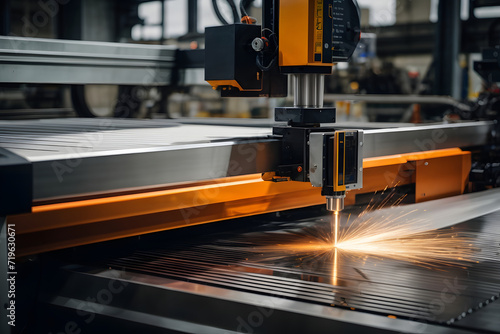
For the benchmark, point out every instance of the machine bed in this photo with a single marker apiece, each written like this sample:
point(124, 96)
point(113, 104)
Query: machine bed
point(194, 281)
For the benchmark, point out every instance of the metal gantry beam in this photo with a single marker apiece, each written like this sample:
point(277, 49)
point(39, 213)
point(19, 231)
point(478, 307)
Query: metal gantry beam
point(46, 61)
point(71, 157)
point(396, 99)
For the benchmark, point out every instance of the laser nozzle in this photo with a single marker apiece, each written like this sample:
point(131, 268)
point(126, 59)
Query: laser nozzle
point(335, 203)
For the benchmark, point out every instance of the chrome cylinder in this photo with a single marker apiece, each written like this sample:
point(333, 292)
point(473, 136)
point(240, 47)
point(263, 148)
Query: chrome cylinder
point(335, 203)
point(308, 90)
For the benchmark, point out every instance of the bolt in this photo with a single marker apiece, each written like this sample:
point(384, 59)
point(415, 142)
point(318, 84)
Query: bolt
point(258, 44)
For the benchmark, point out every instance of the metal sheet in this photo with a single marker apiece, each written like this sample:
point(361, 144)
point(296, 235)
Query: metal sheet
point(221, 273)
point(486, 320)
point(155, 304)
point(365, 284)
point(443, 212)
point(37, 60)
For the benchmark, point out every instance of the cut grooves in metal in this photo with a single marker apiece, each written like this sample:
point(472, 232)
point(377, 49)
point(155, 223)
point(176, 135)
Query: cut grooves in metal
point(381, 286)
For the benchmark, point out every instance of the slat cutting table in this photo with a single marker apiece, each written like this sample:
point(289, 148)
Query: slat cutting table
point(217, 281)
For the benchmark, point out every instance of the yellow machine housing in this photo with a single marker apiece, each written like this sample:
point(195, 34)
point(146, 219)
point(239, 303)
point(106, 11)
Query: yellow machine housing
point(305, 40)
point(339, 162)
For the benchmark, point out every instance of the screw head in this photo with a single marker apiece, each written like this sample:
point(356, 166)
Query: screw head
point(258, 44)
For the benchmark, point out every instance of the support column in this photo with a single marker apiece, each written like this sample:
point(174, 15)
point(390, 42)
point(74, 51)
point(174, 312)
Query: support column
point(447, 50)
point(5, 17)
point(192, 16)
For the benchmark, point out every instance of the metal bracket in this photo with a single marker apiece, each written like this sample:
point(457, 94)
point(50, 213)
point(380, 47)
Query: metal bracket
point(305, 116)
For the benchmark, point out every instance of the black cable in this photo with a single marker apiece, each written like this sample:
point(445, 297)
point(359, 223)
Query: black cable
point(221, 18)
point(260, 57)
point(261, 66)
point(243, 11)
point(244, 6)
point(217, 12)
point(236, 17)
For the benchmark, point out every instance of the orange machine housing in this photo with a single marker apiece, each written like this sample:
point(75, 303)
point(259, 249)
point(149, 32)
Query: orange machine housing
point(51, 226)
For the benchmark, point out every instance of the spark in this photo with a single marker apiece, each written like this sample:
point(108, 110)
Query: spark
point(403, 235)
point(432, 248)
point(396, 234)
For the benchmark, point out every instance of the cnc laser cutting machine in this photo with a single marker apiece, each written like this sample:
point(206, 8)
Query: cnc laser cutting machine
point(151, 226)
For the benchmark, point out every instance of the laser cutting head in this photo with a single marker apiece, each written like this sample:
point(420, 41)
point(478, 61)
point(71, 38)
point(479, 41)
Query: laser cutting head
point(303, 39)
point(336, 164)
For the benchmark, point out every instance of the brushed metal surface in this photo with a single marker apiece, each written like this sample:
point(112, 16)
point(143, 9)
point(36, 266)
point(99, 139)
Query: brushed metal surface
point(38, 60)
point(316, 147)
point(393, 99)
point(366, 284)
point(383, 142)
point(80, 156)
point(308, 90)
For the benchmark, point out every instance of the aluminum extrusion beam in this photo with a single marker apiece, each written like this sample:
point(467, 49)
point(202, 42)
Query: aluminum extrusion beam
point(383, 142)
point(72, 157)
point(82, 156)
point(48, 61)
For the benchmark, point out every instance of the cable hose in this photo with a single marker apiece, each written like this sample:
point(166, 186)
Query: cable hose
point(261, 66)
point(219, 14)
point(242, 9)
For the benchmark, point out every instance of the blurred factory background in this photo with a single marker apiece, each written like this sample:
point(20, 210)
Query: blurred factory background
point(410, 50)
